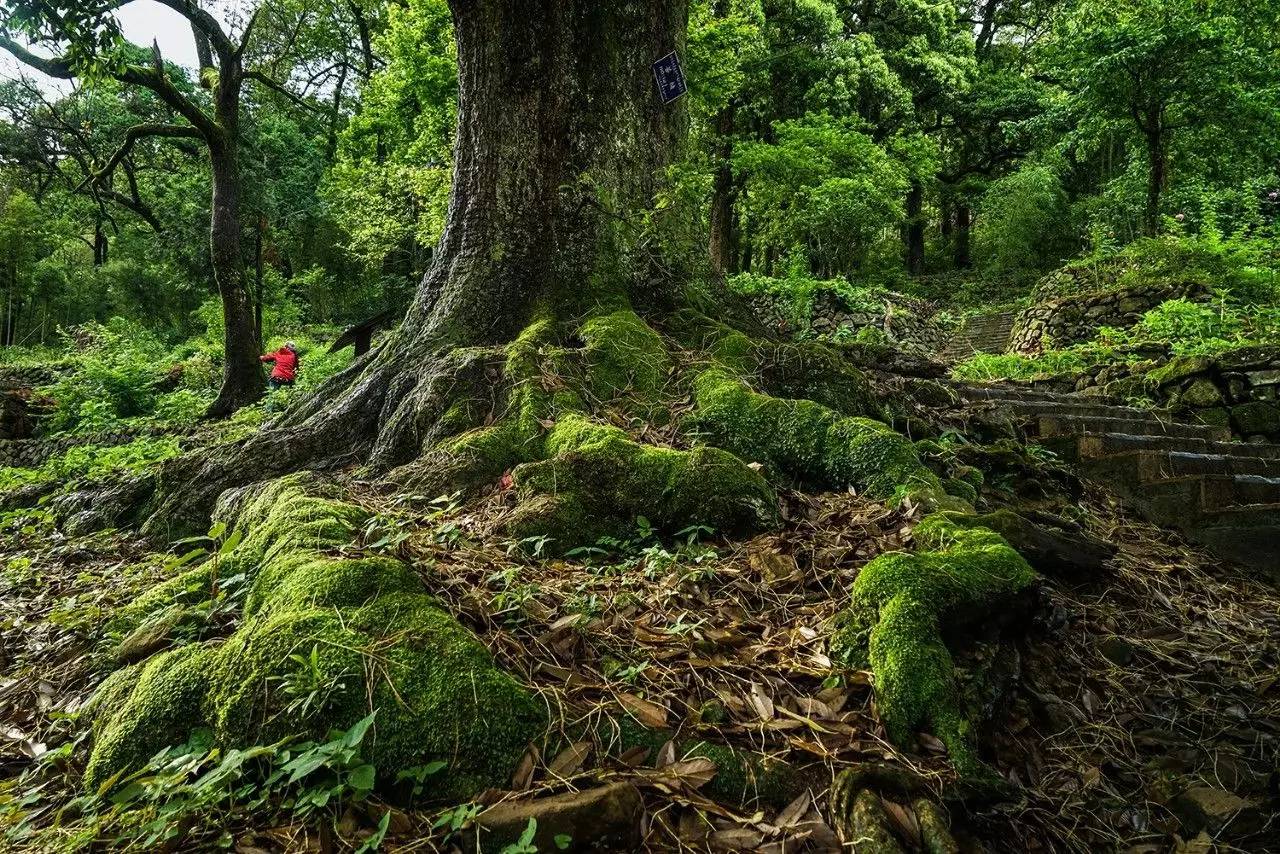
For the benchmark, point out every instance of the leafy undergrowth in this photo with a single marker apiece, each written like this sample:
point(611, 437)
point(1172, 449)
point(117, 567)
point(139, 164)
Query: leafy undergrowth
point(714, 641)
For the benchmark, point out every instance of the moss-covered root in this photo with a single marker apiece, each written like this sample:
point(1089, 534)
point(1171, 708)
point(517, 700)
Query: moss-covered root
point(855, 808)
point(596, 482)
point(863, 825)
point(902, 604)
point(625, 358)
point(381, 645)
point(811, 442)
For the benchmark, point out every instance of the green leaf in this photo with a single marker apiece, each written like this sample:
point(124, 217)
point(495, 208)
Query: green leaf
point(356, 734)
point(362, 778)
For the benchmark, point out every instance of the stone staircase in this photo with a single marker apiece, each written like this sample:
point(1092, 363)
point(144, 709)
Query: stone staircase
point(982, 333)
point(1222, 494)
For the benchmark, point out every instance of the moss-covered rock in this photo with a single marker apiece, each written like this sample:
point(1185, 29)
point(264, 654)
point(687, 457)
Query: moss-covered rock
point(380, 642)
point(1256, 418)
point(1201, 393)
point(1178, 369)
point(901, 605)
point(596, 482)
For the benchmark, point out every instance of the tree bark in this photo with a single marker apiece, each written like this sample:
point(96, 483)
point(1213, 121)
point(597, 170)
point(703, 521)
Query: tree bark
point(550, 93)
point(961, 255)
point(1156, 164)
point(913, 230)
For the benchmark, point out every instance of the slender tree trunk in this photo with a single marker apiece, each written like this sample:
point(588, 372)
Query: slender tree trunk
point(724, 244)
point(242, 381)
point(963, 233)
point(1157, 168)
point(913, 230)
point(257, 276)
point(99, 245)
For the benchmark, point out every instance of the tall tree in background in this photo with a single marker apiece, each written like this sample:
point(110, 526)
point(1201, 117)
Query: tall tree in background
point(89, 46)
point(1161, 70)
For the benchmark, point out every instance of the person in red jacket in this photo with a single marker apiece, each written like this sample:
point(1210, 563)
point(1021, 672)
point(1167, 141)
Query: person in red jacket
point(286, 365)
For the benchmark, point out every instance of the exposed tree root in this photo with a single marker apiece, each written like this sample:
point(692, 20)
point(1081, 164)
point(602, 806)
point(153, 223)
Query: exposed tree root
point(902, 605)
point(374, 642)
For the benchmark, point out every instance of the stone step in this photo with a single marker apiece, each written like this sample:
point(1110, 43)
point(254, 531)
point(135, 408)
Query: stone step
point(1242, 516)
point(1161, 465)
point(1072, 425)
point(1182, 502)
point(1255, 546)
point(1102, 444)
point(1015, 393)
point(1077, 407)
point(1152, 465)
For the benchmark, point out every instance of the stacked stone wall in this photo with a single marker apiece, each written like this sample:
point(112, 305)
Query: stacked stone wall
point(901, 319)
point(1055, 322)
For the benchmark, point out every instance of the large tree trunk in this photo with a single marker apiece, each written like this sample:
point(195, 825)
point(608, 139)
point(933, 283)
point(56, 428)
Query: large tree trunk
point(562, 142)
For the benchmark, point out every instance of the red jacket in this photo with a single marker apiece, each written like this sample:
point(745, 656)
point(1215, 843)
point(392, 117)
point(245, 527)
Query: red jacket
point(286, 368)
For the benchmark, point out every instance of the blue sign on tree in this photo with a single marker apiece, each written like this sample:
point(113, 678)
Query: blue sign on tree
point(670, 77)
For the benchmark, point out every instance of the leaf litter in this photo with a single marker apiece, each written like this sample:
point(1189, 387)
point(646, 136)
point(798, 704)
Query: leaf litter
point(727, 642)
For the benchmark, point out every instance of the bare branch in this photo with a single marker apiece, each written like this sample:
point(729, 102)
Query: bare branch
point(205, 23)
point(259, 77)
point(248, 31)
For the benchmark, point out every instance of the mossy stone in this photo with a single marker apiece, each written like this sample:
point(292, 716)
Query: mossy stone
point(1201, 393)
point(1256, 417)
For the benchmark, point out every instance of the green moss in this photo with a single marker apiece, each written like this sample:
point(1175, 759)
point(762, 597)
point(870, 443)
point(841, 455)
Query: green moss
point(722, 343)
point(960, 489)
point(596, 481)
point(820, 373)
point(161, 709)
point(189, 588)
point(442, 698)
point(381, 645)
point(293, 581)
point(902, 603)
point(809, 441)
point(1256, 417)
point(624, 355)
point(1179, 368)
